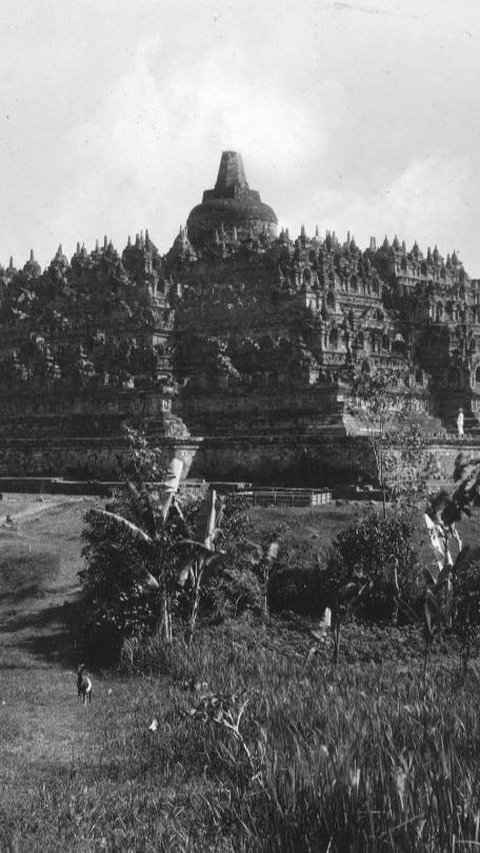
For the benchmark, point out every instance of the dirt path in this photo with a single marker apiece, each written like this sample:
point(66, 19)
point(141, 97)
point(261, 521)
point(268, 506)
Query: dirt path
point(41, 722)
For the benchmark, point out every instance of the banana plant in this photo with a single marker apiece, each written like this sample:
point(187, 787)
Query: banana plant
point(148, 532)
point(443, 513)
point(201, 556)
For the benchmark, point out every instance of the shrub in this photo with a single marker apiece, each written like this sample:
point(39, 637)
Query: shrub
point(117, 603)
point(379, 551)
point(238, 586)
point(116, 609)
point(113, 604)
point(466, 588)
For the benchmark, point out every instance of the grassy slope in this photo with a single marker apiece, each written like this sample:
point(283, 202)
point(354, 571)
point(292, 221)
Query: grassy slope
point(97, 778)
point(44, 730)
point(41, 725)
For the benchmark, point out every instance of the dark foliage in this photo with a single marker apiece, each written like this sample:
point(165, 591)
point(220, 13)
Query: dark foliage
point(373, 550)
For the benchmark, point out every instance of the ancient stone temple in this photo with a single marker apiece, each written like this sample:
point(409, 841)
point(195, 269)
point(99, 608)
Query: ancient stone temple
point(248, 337)
point(85, 347)
point(270, 330)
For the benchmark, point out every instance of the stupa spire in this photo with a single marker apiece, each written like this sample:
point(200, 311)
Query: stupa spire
point(230, 173)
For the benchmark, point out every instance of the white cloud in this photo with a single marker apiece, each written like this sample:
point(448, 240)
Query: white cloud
point(425, 202)
point(117, 117)
point(155, 142)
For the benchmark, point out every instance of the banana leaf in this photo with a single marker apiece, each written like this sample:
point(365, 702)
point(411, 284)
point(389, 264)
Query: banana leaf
point(124, 526)
point(206, 519)
point(170, 486)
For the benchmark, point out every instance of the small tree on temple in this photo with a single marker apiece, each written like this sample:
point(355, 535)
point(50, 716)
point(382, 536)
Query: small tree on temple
point(403, 463)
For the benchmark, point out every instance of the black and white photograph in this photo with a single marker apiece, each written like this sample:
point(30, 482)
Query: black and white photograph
point(240, 426)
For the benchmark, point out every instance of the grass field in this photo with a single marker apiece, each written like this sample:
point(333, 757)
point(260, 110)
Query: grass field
point(367, 757)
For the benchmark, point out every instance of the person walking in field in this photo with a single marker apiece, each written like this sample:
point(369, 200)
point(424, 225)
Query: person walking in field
point(460, 423)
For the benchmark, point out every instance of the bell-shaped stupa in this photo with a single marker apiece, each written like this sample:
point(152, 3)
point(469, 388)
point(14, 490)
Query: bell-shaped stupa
point(232, 204)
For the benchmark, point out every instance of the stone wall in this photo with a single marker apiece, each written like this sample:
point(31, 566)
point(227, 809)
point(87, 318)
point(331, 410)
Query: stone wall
point(305, 460)
point(295, 459)
point(82, 458)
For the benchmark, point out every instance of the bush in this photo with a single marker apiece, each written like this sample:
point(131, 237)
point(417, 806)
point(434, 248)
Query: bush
point(237, 587)
point(466, 589)
point(116, 610)
point(116, 605)
point(372, 550)
point(113, 605)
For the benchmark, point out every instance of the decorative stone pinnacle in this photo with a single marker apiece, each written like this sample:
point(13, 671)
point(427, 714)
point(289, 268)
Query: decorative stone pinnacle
point(230, 173)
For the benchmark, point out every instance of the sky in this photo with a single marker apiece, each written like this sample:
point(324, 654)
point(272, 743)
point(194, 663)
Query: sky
point(360, 116)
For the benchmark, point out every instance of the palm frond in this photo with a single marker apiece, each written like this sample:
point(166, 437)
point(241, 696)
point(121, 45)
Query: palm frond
point(192, 545)
point(186, 569)
point(124, 525)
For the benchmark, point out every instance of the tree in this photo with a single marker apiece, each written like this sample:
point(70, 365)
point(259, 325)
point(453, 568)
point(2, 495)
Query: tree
point(403, 463)
point(466, 598)
point(376, 551)
point(453, 596)
point(202, 555)
point(148, 542)
point(127, 546)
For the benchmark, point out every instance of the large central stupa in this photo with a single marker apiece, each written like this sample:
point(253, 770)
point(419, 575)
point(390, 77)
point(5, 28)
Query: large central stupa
point(231, 205)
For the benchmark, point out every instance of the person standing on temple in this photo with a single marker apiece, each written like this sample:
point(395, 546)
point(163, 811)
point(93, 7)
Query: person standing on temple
point(460, 423)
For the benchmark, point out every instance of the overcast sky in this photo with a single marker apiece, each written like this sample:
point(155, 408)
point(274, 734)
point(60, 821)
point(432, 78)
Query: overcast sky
point(356, 115)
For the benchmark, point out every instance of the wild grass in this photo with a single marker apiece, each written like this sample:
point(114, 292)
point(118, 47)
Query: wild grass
point(366, 757)
point(369, 756)
point(24, 570)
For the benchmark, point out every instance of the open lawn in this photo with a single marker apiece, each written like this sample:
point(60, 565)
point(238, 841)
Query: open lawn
point(367, 757)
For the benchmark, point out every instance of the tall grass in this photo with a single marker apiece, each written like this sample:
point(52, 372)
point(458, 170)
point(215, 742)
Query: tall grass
point(368, 757)
point(24, 570)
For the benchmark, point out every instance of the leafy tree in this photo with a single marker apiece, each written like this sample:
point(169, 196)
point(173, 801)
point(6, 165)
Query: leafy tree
point(377, 551)
point(453, 596)
point(202, 555)
point(466, 598)
point(246, 566)
point(402, 461)
point(126, 552)
point(152, 540)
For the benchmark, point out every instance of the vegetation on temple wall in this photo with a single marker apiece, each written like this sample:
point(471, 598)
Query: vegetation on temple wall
point(404, 465)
